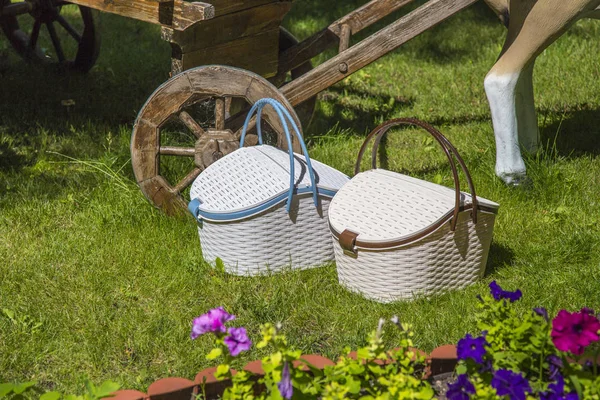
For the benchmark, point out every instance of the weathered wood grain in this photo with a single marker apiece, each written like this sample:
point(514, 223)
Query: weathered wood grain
point(258, 53)
point(322, 40)
point(372, 48)
point(178, 14)
point(228, 27)
point(223, 7)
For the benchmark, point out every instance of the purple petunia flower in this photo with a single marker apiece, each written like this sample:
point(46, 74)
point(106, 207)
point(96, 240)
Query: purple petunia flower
point(212, 321)
point(471, 347)
point(498, 293)
point(555, 364)
point(574, 331)
point(237, 341)
point(285, 385)
point(542, 312)
point(461, 389)
point(512, 384)
point(556, 391)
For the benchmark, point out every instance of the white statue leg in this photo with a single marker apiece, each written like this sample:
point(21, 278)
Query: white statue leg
point(527, 125)
point(533, 26)
point(501, 92)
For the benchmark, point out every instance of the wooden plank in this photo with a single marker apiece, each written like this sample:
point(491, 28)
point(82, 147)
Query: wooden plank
point(258, 53)
point(177, 14)
point(321, 41)
point(228, 27)
point(224, 7)
point(367, 15)
point(372, 48)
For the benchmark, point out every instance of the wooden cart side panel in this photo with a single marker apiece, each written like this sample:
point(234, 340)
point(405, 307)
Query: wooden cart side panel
point(228, 27)
point(258, 53)
point(224, 7)
point(177, 14)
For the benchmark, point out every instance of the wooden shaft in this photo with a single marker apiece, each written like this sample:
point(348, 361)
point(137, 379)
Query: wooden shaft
point(371, 48)
point(319, 42)
point(345, 33)
point(16, 9)
point(177, 151)
point(219, 113)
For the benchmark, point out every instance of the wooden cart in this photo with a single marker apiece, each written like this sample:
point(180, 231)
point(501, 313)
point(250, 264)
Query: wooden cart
point(226, 54)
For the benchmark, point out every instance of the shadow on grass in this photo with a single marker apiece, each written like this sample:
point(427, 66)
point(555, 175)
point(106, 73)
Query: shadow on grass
point(499, 256)
point(575, 135)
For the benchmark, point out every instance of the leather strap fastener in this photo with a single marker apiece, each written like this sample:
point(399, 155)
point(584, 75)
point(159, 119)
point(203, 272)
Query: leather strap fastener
point(347, 240)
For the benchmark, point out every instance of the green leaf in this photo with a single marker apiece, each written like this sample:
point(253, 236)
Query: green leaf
point(21, 387)
point(222, 371)
point(107, 388)
point(73, 397)
point(9, 313)
point(438, 179)
point(219, 265)
point(50, 396)
point(6, 388)
point(214, 353)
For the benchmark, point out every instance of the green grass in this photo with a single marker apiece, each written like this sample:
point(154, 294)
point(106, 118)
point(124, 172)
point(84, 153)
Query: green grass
point(104, 286)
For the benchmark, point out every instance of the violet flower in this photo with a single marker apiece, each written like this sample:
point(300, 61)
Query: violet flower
point(285, 385)
point(498, 293)
point(542, 312)
point(213, 321)
point(237, 341)
point(471, 347)
point(556, 391)
point(555, 365)
point(461, 389)
point(511, 384)
point(574, 331)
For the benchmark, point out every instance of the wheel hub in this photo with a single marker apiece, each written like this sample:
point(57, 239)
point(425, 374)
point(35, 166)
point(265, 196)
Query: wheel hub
point(213, 146)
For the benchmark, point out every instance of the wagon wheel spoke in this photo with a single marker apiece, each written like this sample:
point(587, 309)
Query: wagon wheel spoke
point(191, 124)
point(228, 100)
point(63, 22)
point(187, 180)
point(35, 33)
point(220, 113)
point(177, 151)
point(55, 41)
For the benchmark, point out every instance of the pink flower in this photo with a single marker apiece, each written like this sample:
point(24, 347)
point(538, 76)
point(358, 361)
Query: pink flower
point(212, 321)
point(237, 341)
point(574, 331)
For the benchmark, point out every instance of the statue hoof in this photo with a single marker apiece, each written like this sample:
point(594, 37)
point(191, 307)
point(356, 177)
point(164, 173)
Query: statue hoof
point(520, 180)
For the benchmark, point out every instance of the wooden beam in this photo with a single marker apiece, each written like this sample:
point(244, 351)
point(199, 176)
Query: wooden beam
point(319, 42)
point(226, 28)
point(177, 14)
point(372, 48)
point(224, 7)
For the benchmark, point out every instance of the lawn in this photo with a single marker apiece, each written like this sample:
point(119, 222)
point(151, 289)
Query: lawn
point(101, 285)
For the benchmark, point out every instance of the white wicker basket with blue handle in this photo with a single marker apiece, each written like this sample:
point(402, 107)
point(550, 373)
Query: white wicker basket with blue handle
point(261, 209)
point(396, 236)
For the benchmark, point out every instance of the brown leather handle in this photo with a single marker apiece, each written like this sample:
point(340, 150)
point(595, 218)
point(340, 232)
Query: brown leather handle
point(447, 147)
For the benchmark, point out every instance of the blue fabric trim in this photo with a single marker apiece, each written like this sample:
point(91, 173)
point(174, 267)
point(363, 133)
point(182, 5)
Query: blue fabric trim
point(236, 215)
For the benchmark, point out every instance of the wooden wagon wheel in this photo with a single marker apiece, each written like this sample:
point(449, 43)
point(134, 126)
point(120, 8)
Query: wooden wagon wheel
point(177, 100)
point(74, 47)
point(306, 109)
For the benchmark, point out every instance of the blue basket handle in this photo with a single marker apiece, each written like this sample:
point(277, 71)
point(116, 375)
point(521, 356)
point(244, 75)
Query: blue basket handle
point(284, 118)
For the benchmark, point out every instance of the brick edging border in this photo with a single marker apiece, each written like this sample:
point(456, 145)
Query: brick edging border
point(441, 360)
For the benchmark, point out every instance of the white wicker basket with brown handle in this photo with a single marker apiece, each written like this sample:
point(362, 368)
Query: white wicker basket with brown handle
point(396, 236)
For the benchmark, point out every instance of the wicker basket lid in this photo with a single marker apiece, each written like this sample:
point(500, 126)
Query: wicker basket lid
point(242, 181)
point(383, 206)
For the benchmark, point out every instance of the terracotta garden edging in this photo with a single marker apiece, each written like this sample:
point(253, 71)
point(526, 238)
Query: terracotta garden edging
point(442, 360)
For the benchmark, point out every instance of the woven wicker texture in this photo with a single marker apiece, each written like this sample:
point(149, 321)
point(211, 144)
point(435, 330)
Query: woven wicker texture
point(381, 205)
point(271, 241)
point(439, 262)
point(252, 175)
